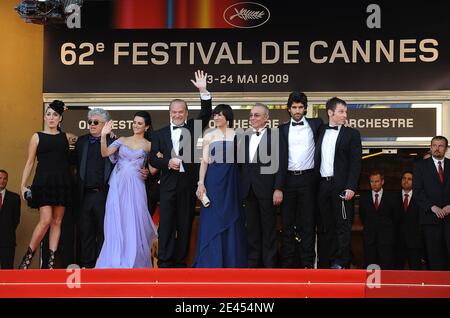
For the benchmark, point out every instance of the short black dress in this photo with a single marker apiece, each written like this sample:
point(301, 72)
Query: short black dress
point(51, 183)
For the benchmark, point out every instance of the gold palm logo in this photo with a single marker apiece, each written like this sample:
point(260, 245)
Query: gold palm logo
point(245, 14)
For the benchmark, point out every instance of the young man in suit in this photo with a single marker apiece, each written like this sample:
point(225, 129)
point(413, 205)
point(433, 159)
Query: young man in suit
point(377, 209)
point(9, 220)
point(432, 189)
point(298, 183)
point(409, 243)
point(258, 186)
point(174, 154)
point(338, 160)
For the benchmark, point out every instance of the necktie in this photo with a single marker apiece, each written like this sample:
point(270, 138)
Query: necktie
point(182, 126)
point(335, 127)
point(405, 202)
point(301, 123)
point(441, 172)
point(1, 200)
point(376, 201)
point(93, 140)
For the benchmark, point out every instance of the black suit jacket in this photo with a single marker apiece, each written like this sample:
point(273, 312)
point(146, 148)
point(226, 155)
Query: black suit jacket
point(81, 152)
point(9, 219)
point(379, 225)
point(429, 190)
point(263, 184)
point(409, 232)
point(162, 143)
point(315, 124)
point(347, 157)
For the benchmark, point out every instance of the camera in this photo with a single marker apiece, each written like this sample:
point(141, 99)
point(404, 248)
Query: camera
point(45, 11)
point(342, 195)
point(28, 196)
point(205, 201)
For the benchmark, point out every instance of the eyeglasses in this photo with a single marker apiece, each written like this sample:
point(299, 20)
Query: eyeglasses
point(93, 122)
point(256, 115)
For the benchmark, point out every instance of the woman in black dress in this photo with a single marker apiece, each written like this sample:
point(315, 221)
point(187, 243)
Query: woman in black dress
point(50, 190)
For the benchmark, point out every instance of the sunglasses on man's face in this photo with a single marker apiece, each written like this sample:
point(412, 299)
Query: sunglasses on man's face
point(93, 122)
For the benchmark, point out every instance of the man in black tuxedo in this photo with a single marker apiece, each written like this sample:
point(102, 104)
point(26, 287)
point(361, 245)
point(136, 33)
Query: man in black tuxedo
point(298, 188)
point(378, 209)
point(409, 242)
point(93, 173)
point(174, 154)
point(338, 160)
point(258, 183)
point(432, 190)
point(9, 220)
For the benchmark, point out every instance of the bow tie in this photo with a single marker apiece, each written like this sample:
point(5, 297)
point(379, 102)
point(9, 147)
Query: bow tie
point(335, 127)
point(299, 123)
point(93, 140)
point(182, 126)
point(258, 132)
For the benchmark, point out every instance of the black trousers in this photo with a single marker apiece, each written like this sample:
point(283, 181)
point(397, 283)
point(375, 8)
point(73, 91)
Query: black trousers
point(412, 256)
point(297, 211)
point(7, 257)
point(152, 188)
point(177, 208)
point(437, 244)
point(333, 231)
point(261, 231)
point(380, 254)
point(91, 225)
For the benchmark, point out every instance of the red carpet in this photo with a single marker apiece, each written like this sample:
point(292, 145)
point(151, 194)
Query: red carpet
point(218, 283)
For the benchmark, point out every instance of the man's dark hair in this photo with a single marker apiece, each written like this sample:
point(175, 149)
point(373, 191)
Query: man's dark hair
point(297, 97)
point(440, 138)
point(377, 173)
point(332, 103)
point(407, 171)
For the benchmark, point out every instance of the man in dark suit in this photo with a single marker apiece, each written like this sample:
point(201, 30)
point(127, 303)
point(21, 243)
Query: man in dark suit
point(432, 189)
point(174, 154)
point(9, 220)
point(258, 183)
point(93, 173)
point(298, 186)
point(377, 209)
point(338, 160)
point(409, 243)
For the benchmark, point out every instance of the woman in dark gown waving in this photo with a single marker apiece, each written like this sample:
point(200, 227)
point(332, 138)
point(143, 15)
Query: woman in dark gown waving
point(221, 237)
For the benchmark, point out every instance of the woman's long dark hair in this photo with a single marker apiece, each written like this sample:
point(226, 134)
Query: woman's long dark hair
point(148, 122)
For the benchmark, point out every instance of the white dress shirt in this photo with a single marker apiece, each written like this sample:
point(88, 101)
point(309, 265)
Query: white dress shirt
point(380, 194)
point(254, 143)
point(176, 133)
point(410, 193)
point(301, 147)
point(328, 151)
point(437, 165)
point(3, 195)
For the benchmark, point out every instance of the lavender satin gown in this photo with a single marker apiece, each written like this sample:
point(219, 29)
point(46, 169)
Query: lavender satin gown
point(129, 229)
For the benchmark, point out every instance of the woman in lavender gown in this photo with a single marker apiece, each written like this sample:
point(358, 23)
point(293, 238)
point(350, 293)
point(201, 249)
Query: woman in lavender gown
point(129, 229)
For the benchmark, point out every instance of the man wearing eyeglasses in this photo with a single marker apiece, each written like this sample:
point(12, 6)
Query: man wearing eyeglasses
point(258, 183)
point(93, 173)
